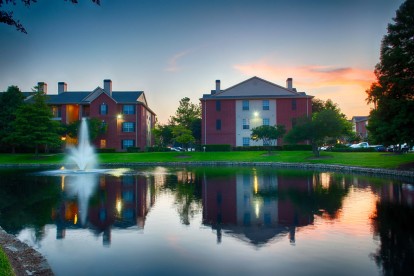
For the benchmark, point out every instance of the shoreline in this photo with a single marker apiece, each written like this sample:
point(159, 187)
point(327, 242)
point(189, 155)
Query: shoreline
point(282, 165)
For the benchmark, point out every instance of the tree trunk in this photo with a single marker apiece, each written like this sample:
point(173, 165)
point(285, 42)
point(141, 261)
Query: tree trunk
point(315, 150)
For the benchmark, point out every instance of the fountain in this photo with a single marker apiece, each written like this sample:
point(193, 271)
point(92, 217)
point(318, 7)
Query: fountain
point(83, 155)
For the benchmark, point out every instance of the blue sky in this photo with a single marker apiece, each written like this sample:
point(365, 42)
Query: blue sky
point(175, 49)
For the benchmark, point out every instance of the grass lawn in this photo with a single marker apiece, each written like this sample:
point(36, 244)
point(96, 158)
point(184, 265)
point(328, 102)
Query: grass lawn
point(362, 159)
point(5, 268)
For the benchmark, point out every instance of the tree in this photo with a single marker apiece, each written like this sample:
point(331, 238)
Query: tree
point(182, 135)
point(7, 17)
point(10, 101)
point(392, 94)
point(326, 124)
point(269, 134)
point(34, 126)
point(186, 114)
point(163, 135)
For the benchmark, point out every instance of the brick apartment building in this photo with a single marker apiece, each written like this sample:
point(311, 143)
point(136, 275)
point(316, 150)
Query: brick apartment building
point(229, 115)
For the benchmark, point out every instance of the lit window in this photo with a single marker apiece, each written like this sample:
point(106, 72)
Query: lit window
point(128, 127)
point(102, 144)
point(265, 104)
point(245, 104)
point(266, 121)
point(128, 109)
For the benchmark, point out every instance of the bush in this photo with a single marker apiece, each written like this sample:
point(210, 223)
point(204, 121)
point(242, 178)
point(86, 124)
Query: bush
point(157, 149)
point(224, 147)
point(348, 149)
point(106, 150)
point(297, 147)
point(133, 149)
point(258, 148)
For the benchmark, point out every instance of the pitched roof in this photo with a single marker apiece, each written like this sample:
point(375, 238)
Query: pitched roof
point(256, 88)
point(81, 97)
point(360, 118)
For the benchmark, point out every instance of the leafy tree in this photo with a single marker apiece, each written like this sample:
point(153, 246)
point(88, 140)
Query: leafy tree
point(188, 115)
point(95, 128)
point(391, 121)
point(269, 134)
point(7, 17)
point(326, 124)
point(163, 135)
point(33, 125)
point(9, 103)
point(182, 135)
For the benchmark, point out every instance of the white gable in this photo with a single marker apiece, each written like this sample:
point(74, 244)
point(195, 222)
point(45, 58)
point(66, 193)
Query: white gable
point(95, 94)
point(256, 87)
point(142, 99)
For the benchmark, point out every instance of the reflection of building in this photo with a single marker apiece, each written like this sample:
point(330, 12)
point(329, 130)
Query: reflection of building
point(120, 202)
point(254, 206)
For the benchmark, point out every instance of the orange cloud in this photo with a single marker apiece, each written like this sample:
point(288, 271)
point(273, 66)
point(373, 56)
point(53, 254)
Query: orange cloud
point(173, 61)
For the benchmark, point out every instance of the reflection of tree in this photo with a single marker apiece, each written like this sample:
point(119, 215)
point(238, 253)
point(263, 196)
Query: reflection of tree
point(187, 195)
point(27, 203)
point(394, 224)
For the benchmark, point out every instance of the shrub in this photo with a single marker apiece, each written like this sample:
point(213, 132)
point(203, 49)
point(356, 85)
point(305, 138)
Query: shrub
point(106, 150)
point(157, 149)
point(224, 147)
point(258, 148)
point(133, 149)
point(297, 147)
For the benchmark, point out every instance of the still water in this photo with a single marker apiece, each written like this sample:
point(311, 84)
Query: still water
point(212, 221)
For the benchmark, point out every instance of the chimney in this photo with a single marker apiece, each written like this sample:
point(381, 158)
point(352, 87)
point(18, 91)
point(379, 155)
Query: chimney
point(289, 83)
point(217, 86)
point(108, 87)
point(62, 87)
point(42, 86)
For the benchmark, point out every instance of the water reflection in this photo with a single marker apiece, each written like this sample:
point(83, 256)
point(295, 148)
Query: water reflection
point(258, 208)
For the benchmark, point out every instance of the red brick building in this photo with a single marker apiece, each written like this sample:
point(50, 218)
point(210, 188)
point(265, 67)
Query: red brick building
point(128, 119)
point(229, 115)
point(359, 126)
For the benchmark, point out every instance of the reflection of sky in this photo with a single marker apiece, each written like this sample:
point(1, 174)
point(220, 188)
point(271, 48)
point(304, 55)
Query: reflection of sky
point(174, 49)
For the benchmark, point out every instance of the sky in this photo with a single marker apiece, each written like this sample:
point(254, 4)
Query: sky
point(172, 49)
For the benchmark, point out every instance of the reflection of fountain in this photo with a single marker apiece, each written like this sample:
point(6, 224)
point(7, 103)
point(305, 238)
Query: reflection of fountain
point(81, 186)
point(83, 155)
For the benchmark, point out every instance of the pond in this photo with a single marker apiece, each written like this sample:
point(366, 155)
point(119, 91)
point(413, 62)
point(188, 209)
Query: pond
point(212, 221)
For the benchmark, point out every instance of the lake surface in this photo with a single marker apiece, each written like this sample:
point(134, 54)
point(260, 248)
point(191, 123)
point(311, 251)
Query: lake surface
point(212, 221)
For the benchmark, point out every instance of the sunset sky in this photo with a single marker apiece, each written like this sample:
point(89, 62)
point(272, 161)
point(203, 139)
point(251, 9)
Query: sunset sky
point(174, 49)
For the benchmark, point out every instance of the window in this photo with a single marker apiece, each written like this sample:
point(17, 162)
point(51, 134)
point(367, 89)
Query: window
point(103, 109)
point(102, 144)
point(266, 121)
point(57, 111)
point(218, 124)
point(245, 105)
point(293, 104)
point(265, 104)
point(246, 124)
point(128, 127)
point(246, 141)
point(127, 143)
point(218, 105)
point(128, 109)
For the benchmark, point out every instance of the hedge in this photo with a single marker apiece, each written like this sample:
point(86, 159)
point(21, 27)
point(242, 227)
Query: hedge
point(224, 147)
point(133, 149)
point(106, 150)
point(297, 147)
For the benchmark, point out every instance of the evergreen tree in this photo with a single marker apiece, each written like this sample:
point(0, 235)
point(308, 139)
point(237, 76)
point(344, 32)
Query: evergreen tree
point(392, 120)
point(33, 126)
point(9, 103)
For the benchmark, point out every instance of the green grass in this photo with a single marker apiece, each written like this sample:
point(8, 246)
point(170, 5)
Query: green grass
point(362, 159)
point(5, 267)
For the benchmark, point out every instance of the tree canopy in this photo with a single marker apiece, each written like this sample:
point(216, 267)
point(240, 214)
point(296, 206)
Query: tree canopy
point(10, 101)
point(324, 125)
point(33, 126)
point(8, 18)
point(391, 121)
point(268, 134)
